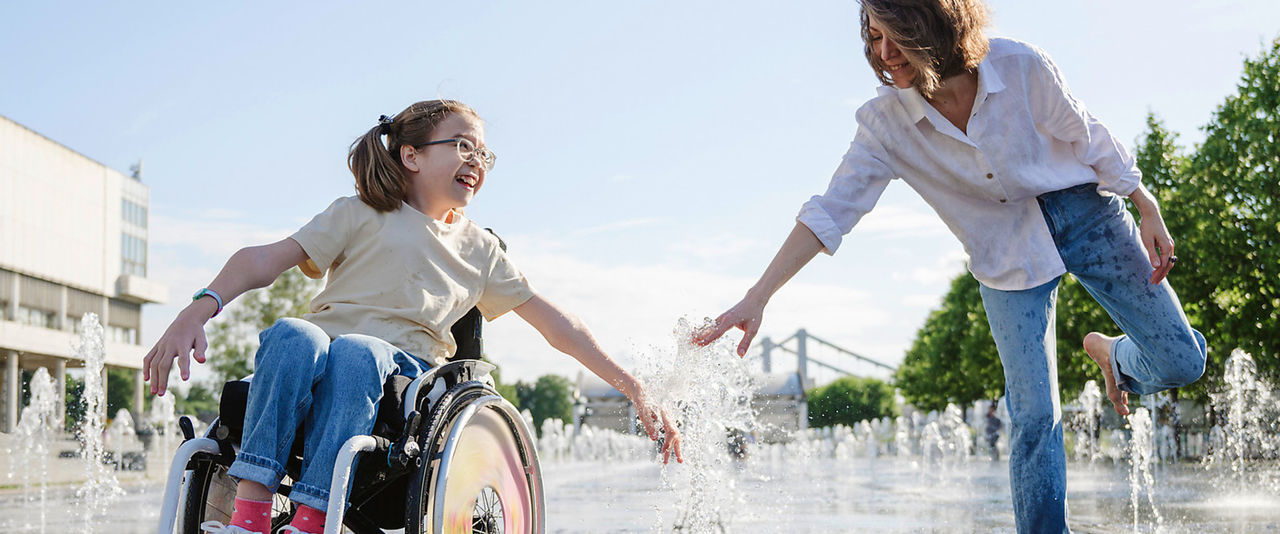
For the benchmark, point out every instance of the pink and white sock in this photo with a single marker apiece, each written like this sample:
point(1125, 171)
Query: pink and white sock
point(308, 519)
point(254, 516)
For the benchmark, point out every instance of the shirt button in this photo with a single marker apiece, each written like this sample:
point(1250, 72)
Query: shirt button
point(990, 176)
point(1003, 200)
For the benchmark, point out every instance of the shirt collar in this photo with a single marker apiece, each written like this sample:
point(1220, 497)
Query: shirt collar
point(914, 104)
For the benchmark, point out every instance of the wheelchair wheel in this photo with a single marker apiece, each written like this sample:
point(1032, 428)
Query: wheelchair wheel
point(480, 472)
point(211, 496)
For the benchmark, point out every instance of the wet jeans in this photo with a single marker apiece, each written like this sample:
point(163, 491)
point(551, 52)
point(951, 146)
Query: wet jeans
point(332, 388)
point(1099, 244)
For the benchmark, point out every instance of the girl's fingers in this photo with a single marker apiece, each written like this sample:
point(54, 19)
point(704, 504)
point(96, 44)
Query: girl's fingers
point(146, 364)
point(184, 365)
point(201, 346)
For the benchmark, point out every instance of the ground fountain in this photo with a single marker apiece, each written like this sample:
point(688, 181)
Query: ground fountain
point(29, 447)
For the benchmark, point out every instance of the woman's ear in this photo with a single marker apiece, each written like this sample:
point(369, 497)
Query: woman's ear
point(410, 158)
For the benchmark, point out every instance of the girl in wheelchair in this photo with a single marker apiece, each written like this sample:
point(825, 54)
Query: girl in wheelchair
point(403, 265)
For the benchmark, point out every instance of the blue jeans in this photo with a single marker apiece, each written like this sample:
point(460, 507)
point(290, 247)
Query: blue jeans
point(333, 388)
point(1099, 244)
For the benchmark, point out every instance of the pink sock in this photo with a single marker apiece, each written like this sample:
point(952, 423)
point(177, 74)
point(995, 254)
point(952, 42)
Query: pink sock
point(308, 519)
point(254, 516)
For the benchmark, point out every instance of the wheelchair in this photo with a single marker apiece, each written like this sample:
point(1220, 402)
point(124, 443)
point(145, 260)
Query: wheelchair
point(447, 455)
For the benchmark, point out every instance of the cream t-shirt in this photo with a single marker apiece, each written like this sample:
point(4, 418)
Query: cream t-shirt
point(405, 277)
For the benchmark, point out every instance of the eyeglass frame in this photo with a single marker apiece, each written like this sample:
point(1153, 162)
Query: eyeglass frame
point(476, 151)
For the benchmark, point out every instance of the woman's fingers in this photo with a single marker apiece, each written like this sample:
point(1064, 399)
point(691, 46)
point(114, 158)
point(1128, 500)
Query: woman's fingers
point(162, 372)
point(671, 443)
point(748, 333)
point(721, 325)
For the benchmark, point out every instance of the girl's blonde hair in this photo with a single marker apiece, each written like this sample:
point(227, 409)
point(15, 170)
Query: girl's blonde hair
point(939, 38)
point(380, 173)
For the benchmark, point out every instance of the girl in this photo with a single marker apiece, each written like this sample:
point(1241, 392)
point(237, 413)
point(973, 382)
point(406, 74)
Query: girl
point(987, 133)
point(403, 265)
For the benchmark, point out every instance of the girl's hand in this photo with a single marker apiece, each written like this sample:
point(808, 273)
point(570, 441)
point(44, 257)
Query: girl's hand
point(184, 335)
point(1159, 244)
point(746, 315)
point(651, 419)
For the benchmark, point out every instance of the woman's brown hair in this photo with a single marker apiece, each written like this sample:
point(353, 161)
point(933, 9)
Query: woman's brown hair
point(939, 38)
point(379, 171)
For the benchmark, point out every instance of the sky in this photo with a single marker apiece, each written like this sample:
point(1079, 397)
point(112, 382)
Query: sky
point(651, 155)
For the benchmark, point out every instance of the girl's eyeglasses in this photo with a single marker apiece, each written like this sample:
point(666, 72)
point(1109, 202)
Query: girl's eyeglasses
point(468, 152)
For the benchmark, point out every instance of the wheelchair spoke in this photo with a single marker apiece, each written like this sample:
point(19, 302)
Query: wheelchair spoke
point(487, 518)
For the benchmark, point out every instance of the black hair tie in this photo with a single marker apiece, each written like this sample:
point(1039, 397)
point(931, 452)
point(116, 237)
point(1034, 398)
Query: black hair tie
point(384, 124)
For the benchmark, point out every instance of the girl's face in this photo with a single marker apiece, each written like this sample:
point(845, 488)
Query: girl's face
point(439, 180)
point(891, 58)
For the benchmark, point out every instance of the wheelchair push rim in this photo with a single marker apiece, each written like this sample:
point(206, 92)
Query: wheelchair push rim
point(483, 472)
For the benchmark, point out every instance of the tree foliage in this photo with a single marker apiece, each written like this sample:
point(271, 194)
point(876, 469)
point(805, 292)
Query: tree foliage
point(953, 358)
point(849, 400)
point(233, 340)
point(550, 397)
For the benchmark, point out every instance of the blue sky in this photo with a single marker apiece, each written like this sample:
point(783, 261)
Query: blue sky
point(651, 155)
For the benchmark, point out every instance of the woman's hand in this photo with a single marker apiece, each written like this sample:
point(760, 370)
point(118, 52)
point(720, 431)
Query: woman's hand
point(183, 337)
point(1155, 237)
point(651, 418)
point(1159, 244)
point(746, 315)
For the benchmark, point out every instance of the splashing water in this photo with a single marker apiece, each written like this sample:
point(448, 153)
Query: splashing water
point(1141, 458)
point(708, 390)
point(100, 488)
point(1086, 422)
point(32, 438)
point(1249, 413)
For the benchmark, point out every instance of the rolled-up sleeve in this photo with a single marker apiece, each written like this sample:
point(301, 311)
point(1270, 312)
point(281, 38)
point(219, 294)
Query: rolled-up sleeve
point(854, 189)
point(1066, 119)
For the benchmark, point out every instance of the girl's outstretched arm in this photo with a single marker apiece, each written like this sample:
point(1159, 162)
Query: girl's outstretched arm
point(249, 268)
point(569, 335)
point(796, 252)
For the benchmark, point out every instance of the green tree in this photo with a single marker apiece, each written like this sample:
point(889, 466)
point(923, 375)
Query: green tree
point(953, 358)
point(233, 340)
point(551, 397)
point(120, 392)
point(199, 401)
point(1229, 192)
point(848, 400)
point(74, 402)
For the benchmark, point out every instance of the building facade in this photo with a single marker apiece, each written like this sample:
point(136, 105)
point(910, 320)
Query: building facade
point(73, 240)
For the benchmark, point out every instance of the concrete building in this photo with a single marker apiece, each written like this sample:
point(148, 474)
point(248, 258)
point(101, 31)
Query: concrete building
point(73, 239)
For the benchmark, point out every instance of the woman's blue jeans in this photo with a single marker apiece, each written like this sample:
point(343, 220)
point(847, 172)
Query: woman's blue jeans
point(1099, 244)
point(332, 388)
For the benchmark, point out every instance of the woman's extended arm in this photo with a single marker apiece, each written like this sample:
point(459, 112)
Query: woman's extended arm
point(249, 268)
point(569, 335)
point(796, 252)
point(1155, 236)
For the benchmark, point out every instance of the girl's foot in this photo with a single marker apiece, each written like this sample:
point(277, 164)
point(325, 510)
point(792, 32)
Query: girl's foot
point(1098, 347)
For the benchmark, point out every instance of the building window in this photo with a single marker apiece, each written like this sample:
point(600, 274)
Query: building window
point(134, 213)
point(133, 255)
point(35, 317)
point(119, 334)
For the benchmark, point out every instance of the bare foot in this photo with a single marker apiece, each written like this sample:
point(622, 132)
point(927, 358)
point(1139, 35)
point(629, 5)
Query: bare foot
point(1098, 347)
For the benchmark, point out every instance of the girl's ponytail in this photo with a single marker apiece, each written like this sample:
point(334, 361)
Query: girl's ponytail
point(380, 176)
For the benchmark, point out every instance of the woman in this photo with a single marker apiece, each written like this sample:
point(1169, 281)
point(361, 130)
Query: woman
point(1030, 183)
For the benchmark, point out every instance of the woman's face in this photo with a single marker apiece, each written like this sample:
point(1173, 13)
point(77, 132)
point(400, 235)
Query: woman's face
point(439, 179)
point(891, 58)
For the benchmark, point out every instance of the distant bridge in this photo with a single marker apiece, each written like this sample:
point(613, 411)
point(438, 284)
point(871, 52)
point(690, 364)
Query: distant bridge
point(801, 341)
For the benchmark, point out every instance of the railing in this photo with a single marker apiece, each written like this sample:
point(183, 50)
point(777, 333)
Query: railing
point(802, 339)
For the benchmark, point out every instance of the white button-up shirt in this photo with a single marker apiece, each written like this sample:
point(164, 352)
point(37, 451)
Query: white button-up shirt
point(1026, 136)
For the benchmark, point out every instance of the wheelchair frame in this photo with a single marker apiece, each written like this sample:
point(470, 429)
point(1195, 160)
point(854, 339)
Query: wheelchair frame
point(449, 396)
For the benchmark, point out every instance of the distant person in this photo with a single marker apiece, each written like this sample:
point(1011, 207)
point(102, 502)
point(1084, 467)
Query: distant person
point(1033, 186)
point(992, 431)
point(403, 266)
